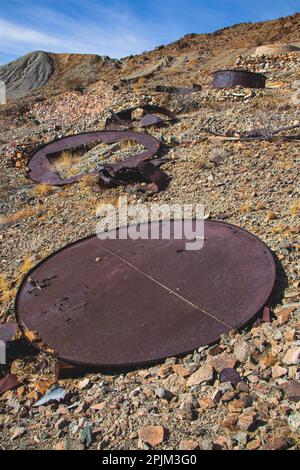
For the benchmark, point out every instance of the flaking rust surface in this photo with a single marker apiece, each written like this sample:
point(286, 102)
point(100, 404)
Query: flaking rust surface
point(130, 302)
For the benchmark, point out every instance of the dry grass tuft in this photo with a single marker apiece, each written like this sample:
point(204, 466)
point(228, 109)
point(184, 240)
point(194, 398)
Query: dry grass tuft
point(22, 214)
point(6, 292)
point(65, 165)
point(27, 264)
point(295, 208)
point(42, 190)
point(137, 86)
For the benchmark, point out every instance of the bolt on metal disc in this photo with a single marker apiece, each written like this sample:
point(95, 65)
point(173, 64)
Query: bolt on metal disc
point(121, 302)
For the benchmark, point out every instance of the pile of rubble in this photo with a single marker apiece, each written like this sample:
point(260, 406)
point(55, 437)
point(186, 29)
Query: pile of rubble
point(270, 65)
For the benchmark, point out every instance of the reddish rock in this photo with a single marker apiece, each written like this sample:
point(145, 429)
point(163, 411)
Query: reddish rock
point(203, 375)
point(207, 403)
point(223, 361)
point(292, 356)
point(284, 314)
point(188, 444)
point(278, 371)
point(292, 390)
point(153, 435)
point(181, 370)
point(247, 421)
point(276, 443)
point(254, 444)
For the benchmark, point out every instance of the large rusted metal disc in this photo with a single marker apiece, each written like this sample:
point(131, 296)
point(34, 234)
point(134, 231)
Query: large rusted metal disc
point(130, 302)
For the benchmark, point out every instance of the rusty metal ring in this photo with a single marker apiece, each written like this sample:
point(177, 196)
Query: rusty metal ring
point(40, 169)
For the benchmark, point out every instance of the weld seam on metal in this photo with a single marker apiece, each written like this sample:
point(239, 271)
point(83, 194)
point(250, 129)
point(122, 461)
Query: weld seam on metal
point(184, 299)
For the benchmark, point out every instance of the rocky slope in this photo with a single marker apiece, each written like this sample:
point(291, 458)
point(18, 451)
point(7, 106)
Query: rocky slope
point(253, 184)
point(188, 59)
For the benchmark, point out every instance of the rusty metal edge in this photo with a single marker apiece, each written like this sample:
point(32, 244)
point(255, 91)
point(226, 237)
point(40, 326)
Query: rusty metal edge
point(81, 175)
point(119, 366)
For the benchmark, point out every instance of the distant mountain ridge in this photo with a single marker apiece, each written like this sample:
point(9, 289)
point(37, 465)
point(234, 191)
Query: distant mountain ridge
point(181, 62)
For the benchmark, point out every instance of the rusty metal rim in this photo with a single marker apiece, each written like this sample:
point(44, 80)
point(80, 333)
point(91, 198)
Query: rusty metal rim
point(79, 177)
point(249, 72)
point(253, 316)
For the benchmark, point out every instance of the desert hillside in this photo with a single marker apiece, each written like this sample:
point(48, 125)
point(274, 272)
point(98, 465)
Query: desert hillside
point(235, 150)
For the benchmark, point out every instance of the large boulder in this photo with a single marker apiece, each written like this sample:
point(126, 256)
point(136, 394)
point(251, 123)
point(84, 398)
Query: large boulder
point(275, 49)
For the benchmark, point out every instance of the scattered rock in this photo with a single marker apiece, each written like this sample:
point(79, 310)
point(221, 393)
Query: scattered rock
point(204, 375)
point(276, 443)
point(188, 444)
point(153, 435)
point(292, 356)
point(223, 361)
point(292, 390)
point(248, 421)
point(278, 371)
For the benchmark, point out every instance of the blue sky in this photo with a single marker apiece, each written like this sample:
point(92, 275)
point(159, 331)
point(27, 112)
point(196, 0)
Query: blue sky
point(120, 27)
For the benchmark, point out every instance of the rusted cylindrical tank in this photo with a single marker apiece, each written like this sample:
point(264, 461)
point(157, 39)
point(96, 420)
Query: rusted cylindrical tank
point(233, 78)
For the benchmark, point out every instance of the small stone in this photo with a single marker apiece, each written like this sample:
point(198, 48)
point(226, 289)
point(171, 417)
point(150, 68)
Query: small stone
point(204, 375)
point(292, 391)
point(283, 314)
point(18, 432)
point(247, 421)
point(278, 371)
point(229, 396)
point(83, 384)
point(207, 403)
point(206, 444)
point(223, 361)
point(181, 370)
point(153, 435)
point(242, 387)
point(61, 424)
point(230, 375)
point(162, 393)
point(216, 396)
point(86, 435)
point(241, 438)
point(253, 445)
point(292, 357)
point(294, 421)
point(276, 443)
point(242, 351)
point(71, 444)
point(187, 411)
point(188, 444)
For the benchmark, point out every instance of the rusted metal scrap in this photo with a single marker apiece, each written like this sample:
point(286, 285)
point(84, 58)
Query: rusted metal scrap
point(136, 168)
point(8, 383)
point(124, 119)
point(8, 331)
point(145, 300)
point(173, 90)
point(233, 78)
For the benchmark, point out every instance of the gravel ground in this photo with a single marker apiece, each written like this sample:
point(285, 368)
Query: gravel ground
point(180, 404)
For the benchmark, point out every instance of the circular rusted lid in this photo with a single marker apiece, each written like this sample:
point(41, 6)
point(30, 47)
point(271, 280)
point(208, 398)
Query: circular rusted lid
point(130, 302)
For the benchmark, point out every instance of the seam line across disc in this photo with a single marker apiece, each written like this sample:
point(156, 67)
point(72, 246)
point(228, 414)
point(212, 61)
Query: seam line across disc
point(184, 299)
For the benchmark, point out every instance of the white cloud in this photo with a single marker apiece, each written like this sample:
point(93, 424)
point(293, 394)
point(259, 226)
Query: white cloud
point(11, 34)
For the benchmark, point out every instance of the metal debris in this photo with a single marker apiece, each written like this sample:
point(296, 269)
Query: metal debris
point(134, 168)
point(234, 78)
point(124, 119)
point(147, 299)
point(8, 383)
point(8, 331)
